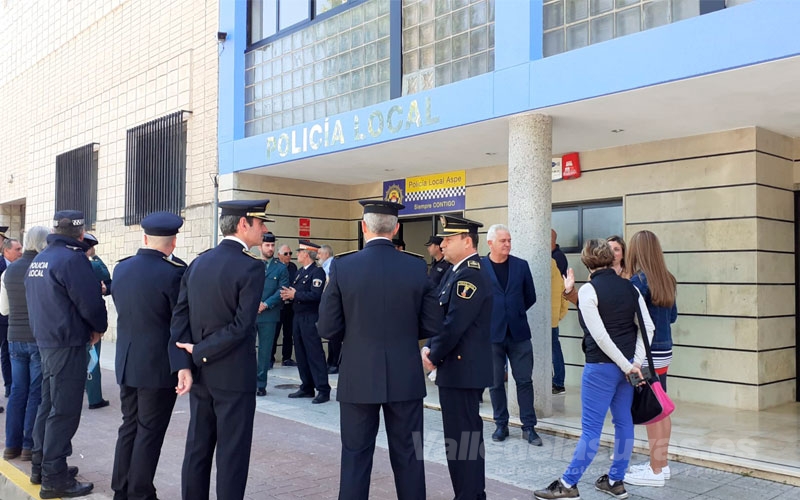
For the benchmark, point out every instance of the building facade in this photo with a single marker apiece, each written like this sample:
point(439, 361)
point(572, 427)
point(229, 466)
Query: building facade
point(683, 114)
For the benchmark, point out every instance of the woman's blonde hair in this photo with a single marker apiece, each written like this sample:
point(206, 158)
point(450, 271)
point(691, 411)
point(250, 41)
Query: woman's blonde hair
point(645, 256)
point(597, 254)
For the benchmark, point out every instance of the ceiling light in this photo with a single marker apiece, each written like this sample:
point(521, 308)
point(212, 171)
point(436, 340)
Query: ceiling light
point(490, 154)
point(618, 130)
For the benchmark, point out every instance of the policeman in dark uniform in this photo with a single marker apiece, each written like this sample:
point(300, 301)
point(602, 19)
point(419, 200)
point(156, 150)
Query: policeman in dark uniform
point(66, 312)
point(439, 266)
point(381, 303)
point(306, 292)
point(462, 355)
point(214, 325)
point(145, 291)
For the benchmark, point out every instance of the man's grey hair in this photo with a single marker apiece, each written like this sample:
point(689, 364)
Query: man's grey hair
point(491, 234)
point(287, 247)
point(312, 254)
point(327, 249)
point(380, 223)
point(36, 239)
point(228, 223)
point(8, 243)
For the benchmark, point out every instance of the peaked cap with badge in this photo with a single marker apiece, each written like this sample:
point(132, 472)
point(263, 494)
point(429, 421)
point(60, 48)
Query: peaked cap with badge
point(161, 224)
point(3, 230)
point(268, 238)
point(67, 218)
point(452, 225)
point(307, 245)
point(246, 208)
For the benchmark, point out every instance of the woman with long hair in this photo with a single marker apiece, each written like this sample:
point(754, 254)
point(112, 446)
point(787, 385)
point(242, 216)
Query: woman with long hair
point(607, 308)
point(617, 244)
point(658, 287)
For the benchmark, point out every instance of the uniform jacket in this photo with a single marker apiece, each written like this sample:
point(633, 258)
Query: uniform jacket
point(509, 312)
point(64, 301)
point(437, 272)
point(3, 318)
point(146, 288)
point(380, 302)
point(308, 284)
point(276, 276)
point(462, 350)
point(101, 272)
point(216, 311)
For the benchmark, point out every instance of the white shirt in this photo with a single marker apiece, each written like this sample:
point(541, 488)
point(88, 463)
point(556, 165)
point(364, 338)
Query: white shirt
point(455, 268)
point(234, 238)
point(326, 265)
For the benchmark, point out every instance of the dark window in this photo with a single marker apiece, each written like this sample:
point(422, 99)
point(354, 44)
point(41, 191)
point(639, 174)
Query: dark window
point(76, 182)
point(577, 223)
point(266, 18)
point(155, 170)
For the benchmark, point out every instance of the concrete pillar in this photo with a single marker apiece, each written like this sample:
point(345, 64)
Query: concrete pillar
point(530, 145)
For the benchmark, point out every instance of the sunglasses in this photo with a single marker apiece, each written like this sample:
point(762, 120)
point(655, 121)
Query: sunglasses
point(286, 253)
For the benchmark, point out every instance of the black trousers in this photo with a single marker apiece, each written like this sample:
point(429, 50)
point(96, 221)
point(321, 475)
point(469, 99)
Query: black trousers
point(334, 351)
point(463, 434)
point(145, 417)
point(310, 356)
point(5, 359)
point(63, 379)
point(359, 425)
point(223, 420)
point(287, 322)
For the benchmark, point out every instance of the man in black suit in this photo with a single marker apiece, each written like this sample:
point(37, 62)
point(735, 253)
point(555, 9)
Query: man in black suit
point(380, 303)
point(462, 355)
point(286, 322)
point(145, 291)
point(305, 294)
point(214, 323)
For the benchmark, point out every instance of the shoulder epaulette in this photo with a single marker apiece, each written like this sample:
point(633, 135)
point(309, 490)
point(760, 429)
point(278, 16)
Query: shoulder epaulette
point(125, 258)
point(413, 254)
point(250, 254)
point(345, 254)
point(176, 264)
point(474, 264)
point(75, 249)
point(204, 251)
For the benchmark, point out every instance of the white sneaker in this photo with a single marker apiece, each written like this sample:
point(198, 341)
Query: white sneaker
point(645, 465)
point(644, 477)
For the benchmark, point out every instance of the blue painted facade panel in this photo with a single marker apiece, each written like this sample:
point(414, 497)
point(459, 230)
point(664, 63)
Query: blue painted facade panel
point(756, 32)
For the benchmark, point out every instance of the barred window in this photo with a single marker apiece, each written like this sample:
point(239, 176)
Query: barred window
point(76, 182)
point(155, 171)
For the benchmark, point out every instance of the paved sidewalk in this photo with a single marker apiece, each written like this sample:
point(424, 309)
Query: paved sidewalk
point(295, 454)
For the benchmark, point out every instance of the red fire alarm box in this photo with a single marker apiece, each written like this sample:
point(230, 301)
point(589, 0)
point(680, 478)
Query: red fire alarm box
point(571, 166)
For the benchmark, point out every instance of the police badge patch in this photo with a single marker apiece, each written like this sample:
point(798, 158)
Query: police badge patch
point(316, 283)
point(465, 289)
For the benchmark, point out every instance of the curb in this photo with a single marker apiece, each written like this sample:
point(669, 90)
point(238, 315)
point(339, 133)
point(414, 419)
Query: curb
point(15, 484)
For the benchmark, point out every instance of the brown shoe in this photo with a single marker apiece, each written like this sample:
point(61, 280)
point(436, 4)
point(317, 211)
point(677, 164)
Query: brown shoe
point(25, 456)
point(557, 490)
point(11, 453)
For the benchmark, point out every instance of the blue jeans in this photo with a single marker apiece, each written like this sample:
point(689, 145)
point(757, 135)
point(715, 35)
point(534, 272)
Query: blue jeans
point(26, 394)
point(558, 361)
point(520, 357)
point(603, 386)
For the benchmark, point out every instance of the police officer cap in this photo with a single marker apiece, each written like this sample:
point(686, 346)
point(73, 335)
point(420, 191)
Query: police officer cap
point(433, 240)
point(75, 218)
point(3, 230)
point(246, 208)
point(268, 238)
point(308, 245)
point(381, 207)
point(161, 224)
point(90, 239)
point(398, 242)
point(457, 225)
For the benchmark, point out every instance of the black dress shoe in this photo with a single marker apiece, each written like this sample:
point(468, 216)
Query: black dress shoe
point(501, 433)
point(322, 397)
point(36, 477)
point(77, 489)
point(531, 436)
point(301, 394)
point(261, 392)
point(102, 404)
point(289, 362)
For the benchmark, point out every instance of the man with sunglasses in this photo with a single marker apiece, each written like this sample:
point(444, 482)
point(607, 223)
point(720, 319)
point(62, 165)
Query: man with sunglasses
point(287, 313)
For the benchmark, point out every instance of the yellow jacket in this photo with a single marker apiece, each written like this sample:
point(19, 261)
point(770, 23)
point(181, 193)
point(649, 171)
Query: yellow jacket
point(559, 305)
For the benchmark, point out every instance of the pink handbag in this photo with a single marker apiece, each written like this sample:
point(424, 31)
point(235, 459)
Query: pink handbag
point(650, 403)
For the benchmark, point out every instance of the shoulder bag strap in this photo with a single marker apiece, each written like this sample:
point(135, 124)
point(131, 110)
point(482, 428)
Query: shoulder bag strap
point(643, 333)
